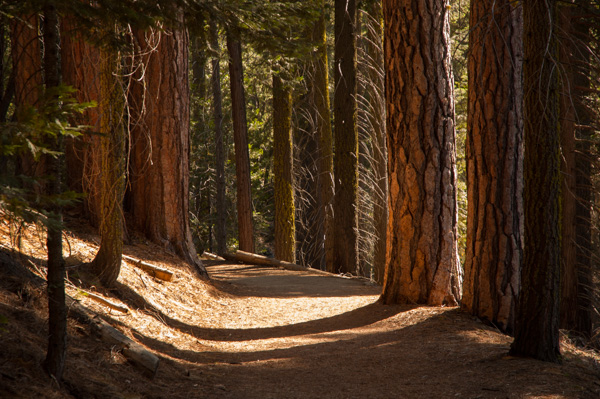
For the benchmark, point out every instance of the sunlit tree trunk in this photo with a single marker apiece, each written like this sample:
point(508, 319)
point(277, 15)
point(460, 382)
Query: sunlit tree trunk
point(494, 144)
point(80, 69)
point(422, 261)
point(160, 143)
point(576, 276)
point(215, 81)
point(318, 82)
point(57, 311)
point(285, 230)
point(345, 206)
point(240, 136)
point(107, 263)
point(536, 326)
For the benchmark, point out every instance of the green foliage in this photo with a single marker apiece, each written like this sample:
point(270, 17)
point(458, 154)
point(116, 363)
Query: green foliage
point(33, 134)
point(459, 25)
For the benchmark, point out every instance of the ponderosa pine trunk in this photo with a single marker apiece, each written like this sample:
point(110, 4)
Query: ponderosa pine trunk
point(422, 260)
point(577, 196)
point(376, 116)
point(160, 143)
point(240, 138)
point(107, 263)
point(57, 310)
point(494, 249)
point(536, 324)
point(215, 81)
point(80, 69)
point(28, 80)
point(285, 225)
point(319, 97)
point(345, 205)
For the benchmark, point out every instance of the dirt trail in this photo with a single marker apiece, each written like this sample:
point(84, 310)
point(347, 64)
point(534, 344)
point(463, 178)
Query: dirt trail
point(300, 335)
point(262, 332)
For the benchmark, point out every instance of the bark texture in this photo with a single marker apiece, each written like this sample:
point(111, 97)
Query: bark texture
point(57, 310)
point(160, 142)
point(215, 82)
point(536, 327)
point(107, 263)
point(28, 80)
point(80, 63)
point(240, 138)
point(285, 230)
point(494, 248)
point(345, 206)
point(319, 97)
point(422, 261)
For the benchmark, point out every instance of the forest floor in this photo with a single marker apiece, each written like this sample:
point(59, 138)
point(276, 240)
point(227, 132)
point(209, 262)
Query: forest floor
point(261, 332)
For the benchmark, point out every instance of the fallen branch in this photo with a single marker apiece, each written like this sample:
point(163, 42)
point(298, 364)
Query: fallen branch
point(247, 257)
point(212, 256)
point(133, 351)
point(104, 301)
point(154, 271)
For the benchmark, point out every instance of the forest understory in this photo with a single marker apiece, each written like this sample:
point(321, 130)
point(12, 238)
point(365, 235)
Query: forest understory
point(258, 332)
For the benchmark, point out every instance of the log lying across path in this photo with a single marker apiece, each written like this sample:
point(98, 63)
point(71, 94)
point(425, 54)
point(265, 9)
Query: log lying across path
point(247, 257)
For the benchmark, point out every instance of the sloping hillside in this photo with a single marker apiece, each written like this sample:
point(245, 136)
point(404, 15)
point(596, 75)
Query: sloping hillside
point(258, 332)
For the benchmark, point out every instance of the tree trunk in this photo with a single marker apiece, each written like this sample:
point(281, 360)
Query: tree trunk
point(376, 116)
point(318, 82)
point(494, 144)
point(345, 207)
point(536, 326)
point(422, 260)
point(57, 311)
point(107, 263)
point(160, 143)
point(576, 276)
point(240, 135)
point(285, 225)
point(27, 71)
point(80, 61)
point(221, 224)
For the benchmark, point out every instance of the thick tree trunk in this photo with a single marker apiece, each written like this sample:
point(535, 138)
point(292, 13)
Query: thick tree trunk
point(240, 136)
point(376, 116)
point(285, 225)
point(160, 144)
point(80, 62)
point(494, 248)
point(318, 81)
point(27, 71)
point(345, 206)
point(215, 81)
point(107, 263)
point(57, 311)
point(536, 326)
point(576, 276)
point(422, 261)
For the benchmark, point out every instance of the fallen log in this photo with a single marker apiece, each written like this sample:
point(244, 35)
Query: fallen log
point(133, 352)
point(154, 271)
point(247, 257)
point(104, 301)
point(212, 256)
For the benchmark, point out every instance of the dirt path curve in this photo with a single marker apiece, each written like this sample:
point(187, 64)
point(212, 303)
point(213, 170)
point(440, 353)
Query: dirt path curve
point(299, 335)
